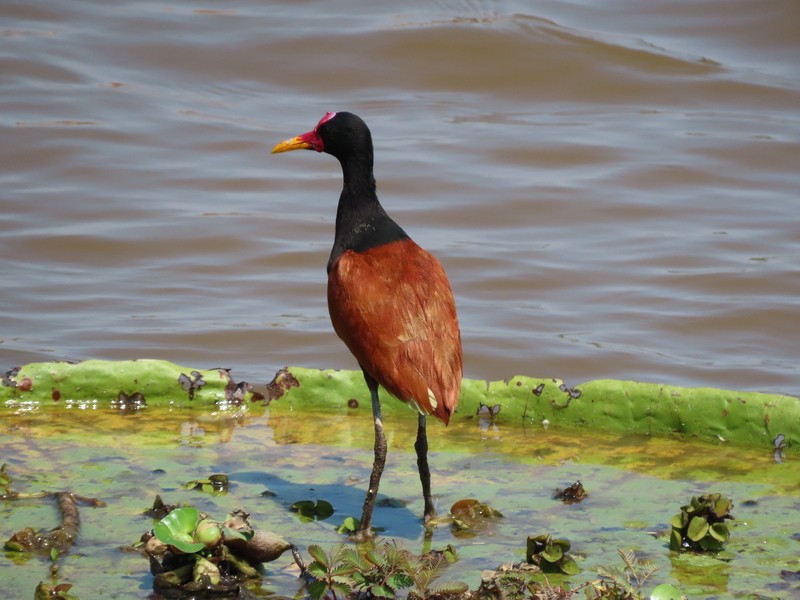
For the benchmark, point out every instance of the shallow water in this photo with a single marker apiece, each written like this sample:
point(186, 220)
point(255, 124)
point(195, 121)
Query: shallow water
point(634, 484)
point(612, 186)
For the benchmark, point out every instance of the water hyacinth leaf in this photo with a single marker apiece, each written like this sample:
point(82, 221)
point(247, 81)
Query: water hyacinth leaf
point(177, 529)
point(666, 591)
point(552, 553)
point(5, 478)
point(308, 510)
point(349, 525)
point(720, 532)
point(235, 534)
point(722, 507)
point(710, 544)
point(208, 532)
point(214, 485)
point(304, 509)
point(678, 521)
point(569, 566)
point(323, 509)
point(698, 528)
point(565, 545)
point(675, 541)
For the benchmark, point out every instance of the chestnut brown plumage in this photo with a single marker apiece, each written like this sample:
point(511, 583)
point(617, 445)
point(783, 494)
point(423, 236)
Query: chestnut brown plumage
point(389, 300)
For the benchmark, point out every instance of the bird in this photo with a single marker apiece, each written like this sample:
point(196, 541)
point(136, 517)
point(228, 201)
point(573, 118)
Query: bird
point(389, 300)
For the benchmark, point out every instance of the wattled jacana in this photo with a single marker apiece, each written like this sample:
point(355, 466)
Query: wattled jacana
point(389, 300)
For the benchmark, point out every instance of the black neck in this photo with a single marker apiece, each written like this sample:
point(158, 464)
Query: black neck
point(361, 221)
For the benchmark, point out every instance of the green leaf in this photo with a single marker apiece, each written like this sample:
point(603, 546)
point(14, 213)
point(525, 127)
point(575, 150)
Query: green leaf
point(552, 553)
point(565, 545)
point(317, 571)
point(698, 528)
point(317, 589)
point(399, 581)
point(323, 509)
point(381, 591)
point(722, 507)
point(208, 532)
point(710, 544)
point(318, 554)
point(676, 541)
point(569, 566)
point(235, 534)
point(177, 528)
point(372, 556)
point(351, 559)
point(342, 590)
point(349, 525)
point(678, 521)
point(720, 532)
point(665, 591)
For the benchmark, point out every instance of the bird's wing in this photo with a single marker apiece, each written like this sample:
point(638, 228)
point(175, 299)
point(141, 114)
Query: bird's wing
point(393, 308)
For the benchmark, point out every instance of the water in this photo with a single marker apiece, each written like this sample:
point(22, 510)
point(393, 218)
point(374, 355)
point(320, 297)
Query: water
point(634, 484)
point(612, 186)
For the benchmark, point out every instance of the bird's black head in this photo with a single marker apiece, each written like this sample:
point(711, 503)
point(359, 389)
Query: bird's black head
point(340, 134)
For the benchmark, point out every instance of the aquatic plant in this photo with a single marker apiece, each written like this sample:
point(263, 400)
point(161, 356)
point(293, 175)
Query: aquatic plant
point(215, 484)
point(177, 529)
point(700, 526)
point(308, 510)
point(374, 570)
point(187, 550)
point(622, 583)
point(550, 555)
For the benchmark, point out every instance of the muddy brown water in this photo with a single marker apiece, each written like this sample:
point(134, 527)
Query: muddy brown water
point(612, 186)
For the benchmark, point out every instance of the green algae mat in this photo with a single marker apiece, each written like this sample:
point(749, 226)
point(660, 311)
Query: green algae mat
point(123, 433)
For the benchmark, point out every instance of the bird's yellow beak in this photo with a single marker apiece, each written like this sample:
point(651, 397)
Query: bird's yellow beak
point(295, 143)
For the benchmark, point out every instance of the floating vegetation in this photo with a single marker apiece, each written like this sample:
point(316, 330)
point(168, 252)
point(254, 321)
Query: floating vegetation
point(551, 555)
point(308, 510)
point(571, 494)
point(190, 552)
point(700, 526)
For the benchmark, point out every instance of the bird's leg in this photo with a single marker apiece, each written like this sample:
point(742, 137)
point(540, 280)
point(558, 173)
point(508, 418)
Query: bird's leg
point(365, 527)
point(421, 446)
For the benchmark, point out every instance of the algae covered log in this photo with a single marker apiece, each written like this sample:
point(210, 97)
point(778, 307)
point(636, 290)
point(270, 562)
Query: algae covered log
point(132, 384)
point(747, 418)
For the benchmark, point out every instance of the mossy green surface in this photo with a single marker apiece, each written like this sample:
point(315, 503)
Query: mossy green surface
point(146, 382)
point(628, 407)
